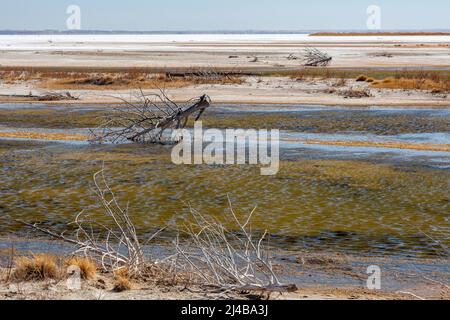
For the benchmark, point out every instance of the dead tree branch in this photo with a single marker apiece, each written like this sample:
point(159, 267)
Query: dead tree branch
point(313, 57)
point(228, 260)
point(147, 120)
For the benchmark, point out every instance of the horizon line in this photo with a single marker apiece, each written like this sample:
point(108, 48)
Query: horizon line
point(243, 31)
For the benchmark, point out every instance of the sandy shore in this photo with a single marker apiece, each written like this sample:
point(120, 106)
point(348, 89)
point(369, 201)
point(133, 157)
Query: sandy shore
point(235, 53)
point(318, 276)
point(253, 90)
point(101, 290)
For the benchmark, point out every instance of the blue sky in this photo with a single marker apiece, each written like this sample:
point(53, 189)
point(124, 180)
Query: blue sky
point(186, 15)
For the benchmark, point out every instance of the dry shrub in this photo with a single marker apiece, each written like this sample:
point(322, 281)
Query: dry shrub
point(88, 269)
point(37, 267)
point(340, 83)
point(122, 280)
point(96, 80)
point(122, 284)
point(329, 91)
point(356, 93)
point(370, 80)
point(361, 78)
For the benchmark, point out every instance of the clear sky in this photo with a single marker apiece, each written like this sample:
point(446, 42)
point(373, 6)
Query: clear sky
point(188, 15)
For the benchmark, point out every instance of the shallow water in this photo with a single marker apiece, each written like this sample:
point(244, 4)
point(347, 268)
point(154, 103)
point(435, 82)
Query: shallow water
point(364, 200)
point(348, 205)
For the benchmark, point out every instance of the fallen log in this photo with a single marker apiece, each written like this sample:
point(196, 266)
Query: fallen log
point(147, 120)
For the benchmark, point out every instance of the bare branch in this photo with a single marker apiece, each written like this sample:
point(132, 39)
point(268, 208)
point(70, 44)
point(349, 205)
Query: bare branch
point(147, 120)
point(313, 57)
point(228, 260)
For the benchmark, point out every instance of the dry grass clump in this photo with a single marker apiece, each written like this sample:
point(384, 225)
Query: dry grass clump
point(37, 267)
point(356, 93)
point(361, 78)
point(122, 280)
point(122, 284)
point(364, 78)
point(88, 268)
point(339, 83)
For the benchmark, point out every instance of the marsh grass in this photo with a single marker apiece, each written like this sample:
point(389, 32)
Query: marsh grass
point(111, 78)
point(362, 74)
point(420, 80)
point(59, 80)
point(435, 85)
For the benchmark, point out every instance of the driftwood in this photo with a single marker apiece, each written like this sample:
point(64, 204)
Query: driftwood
point(54, 96)
point(207, 74)
point(147, 120)
point(48, 96)
point(313, 57)
point(233, 261)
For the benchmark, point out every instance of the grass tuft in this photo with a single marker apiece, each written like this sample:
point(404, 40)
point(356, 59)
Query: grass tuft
point(361, 78)
point(87, 267)
point(36, 268)
point(122, 281)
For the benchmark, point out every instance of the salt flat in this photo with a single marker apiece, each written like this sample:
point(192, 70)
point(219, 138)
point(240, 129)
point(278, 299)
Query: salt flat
point(220, 50)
